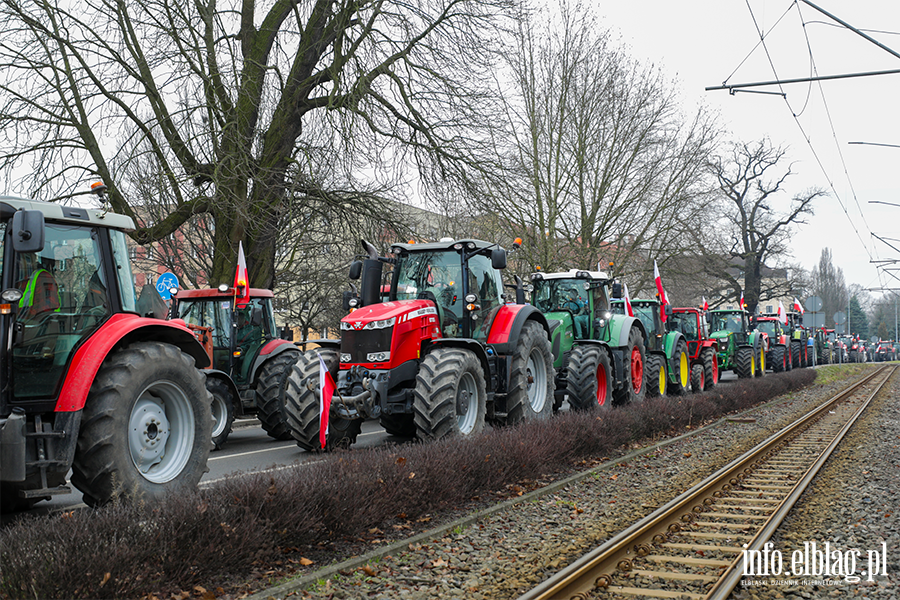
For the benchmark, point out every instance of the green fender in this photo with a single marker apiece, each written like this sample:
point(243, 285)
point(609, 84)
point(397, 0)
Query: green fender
point(562, 338)
point(671, 339)
point(616, 331)
point(726, 348)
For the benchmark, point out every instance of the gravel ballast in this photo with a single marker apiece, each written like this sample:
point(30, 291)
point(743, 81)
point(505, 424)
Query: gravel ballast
point(503, 552)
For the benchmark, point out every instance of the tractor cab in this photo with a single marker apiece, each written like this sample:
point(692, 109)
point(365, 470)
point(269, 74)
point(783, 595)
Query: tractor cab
point(577, 300)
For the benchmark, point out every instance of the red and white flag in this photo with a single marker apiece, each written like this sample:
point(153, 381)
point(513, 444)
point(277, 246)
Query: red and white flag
point(663, 300)
point(326, 391)
point(704, 305)
point(628, 310)
point(743, 304)
point(782, 314)
point(798, 307)
point(241, 279)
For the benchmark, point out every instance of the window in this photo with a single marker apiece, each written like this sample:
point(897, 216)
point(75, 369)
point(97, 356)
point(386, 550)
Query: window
point(769, 308)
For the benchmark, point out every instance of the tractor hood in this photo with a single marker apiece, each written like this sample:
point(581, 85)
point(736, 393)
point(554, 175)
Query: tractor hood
point(387, 314)
point(720, 335)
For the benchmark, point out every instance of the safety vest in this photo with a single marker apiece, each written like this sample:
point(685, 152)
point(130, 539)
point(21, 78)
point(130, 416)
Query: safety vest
point(27, 299)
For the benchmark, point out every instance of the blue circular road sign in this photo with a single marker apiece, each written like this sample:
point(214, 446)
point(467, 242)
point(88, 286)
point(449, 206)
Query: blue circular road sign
point(165, 283)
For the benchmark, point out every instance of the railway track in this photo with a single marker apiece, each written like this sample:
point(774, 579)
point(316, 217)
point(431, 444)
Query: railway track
point(693, 547)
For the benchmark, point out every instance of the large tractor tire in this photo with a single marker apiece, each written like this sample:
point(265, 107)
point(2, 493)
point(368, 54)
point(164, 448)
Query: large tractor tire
point(710, 368)
point(450, 397)
point(656, 380)
point(589, 383)
point(401, 425)
point(745, 362)
point(779, 359)
point(301, 405)
point(270, 393)
point(146, 426)
point(682, 363)
point(761, 361)
point(795, 355)
point(222, 409)
point(530, 394)
point(633, 388)
point(698, 381)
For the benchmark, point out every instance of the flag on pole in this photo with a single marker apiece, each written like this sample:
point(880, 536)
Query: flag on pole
point(241, 279)
point(628, 310)
point(326, 391)
point(663, 300)
point(782, 314)
point(743, 304)
point(798, 307)
point(704, 304)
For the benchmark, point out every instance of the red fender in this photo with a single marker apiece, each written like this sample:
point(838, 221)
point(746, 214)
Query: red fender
point(121, 329)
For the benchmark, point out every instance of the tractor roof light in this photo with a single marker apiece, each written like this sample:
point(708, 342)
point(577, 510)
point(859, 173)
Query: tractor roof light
point(470, 298)
point(223, 287)
point(517, 243)
point(11, 295)
point(457, 246)
point(537, 277)
point(470, 245)
point(582, 275)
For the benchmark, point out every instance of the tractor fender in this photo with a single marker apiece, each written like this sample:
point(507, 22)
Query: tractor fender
point(672, 339)
point(272, 348)
point(508, 323)
point(119, 331)
point(620, 326)
point(232, 387)
point(471, 345)
point(335, 344)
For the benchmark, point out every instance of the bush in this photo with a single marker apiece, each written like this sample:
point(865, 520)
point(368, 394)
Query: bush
point(246, 523)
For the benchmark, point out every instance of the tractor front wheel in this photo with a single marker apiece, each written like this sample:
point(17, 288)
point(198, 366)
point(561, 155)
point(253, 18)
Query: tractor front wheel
point(530, 394)
point(270, 393)
point(779, 360)
point(146, 426)
point(761, 364)
point(450, 397)
point(745, 363)
point(633, 388)
point(656, 379)
point(698, 381)
point(589, 384)
point(710, 368)
point(222, 409)
point(301, 406)
point(795, 355)
point(682, 364)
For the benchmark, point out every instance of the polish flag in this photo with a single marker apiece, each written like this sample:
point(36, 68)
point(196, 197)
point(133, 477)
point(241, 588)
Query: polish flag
point(628, 310)
point(326, 391)
point(662, 293)
point(798, 307)
point(704, 305)
point(782, 314)
point(241, 279)
point(743, 304)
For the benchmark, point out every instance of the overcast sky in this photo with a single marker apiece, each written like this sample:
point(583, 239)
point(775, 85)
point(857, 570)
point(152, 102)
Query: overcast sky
point(703, 43)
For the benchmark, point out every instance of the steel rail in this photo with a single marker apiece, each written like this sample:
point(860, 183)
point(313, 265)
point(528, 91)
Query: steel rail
point(596, 568)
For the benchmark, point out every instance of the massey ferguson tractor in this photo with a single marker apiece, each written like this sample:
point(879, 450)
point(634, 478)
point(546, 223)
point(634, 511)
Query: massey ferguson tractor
point(740, 349)
point(701, 348)
point(443, 355)
point(668, 367)
point(778, 355)
point(94, 379)
point(249, 362)
point(599, 356)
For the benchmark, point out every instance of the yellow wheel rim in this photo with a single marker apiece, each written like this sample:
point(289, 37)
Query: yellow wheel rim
point(762, 360)
point(662, 381)
point(685, 370)
point(752, 366)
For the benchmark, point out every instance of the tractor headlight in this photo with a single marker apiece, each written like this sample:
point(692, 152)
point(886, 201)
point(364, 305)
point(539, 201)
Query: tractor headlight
point(11, 295)
point(375, 357)
point(346, 357)
point(384, 324)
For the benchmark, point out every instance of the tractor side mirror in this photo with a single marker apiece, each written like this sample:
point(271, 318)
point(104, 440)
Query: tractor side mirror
point(498, 258)
point(150, 303)
point(287, 334)
point(617, 290)
point(28, 231)
point(355, 269)
point(669, 312)
point(349, 299)
point(256, 318)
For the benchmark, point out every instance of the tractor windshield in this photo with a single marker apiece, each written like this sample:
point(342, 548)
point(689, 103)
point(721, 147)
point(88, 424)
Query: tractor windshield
point(553, 295)
point(732, 322)
point(647, 313)
point(686, 323)
point(767, 327)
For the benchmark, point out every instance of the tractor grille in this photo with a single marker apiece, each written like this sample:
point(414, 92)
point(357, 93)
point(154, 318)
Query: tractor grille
point(358, 344)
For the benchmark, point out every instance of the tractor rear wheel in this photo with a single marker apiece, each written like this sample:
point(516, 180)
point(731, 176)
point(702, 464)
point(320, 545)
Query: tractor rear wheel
point(401, 425)
point(779, 360)
point(710, 368)
point(683, 372)
point(450, 397)
point(301, 406)
point(761, 363)
point(146, 426)
point(589, 384)
point(795, 355)
point(270, 391)
point(698, 381)
point(222, 409)
point(633, 388)
point(745, 363)
point(530, 395)
point(656, 379)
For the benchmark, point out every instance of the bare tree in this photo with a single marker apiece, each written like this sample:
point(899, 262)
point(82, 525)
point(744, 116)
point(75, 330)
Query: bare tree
point(827, 282)
point(599, 164)
point(229, 110)
point(751, 178)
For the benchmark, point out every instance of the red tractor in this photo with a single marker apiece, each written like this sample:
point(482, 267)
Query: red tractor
point(443, 355)
point(778, 354)
point(701, 348)
point(249, 362)
point(94, 379)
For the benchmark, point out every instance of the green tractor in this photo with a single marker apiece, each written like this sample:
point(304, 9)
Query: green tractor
point(741, 349)
point(668, 364)
point(599, 356)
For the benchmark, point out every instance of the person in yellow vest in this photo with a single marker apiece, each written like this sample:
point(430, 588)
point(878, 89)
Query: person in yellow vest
point(40, 291)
